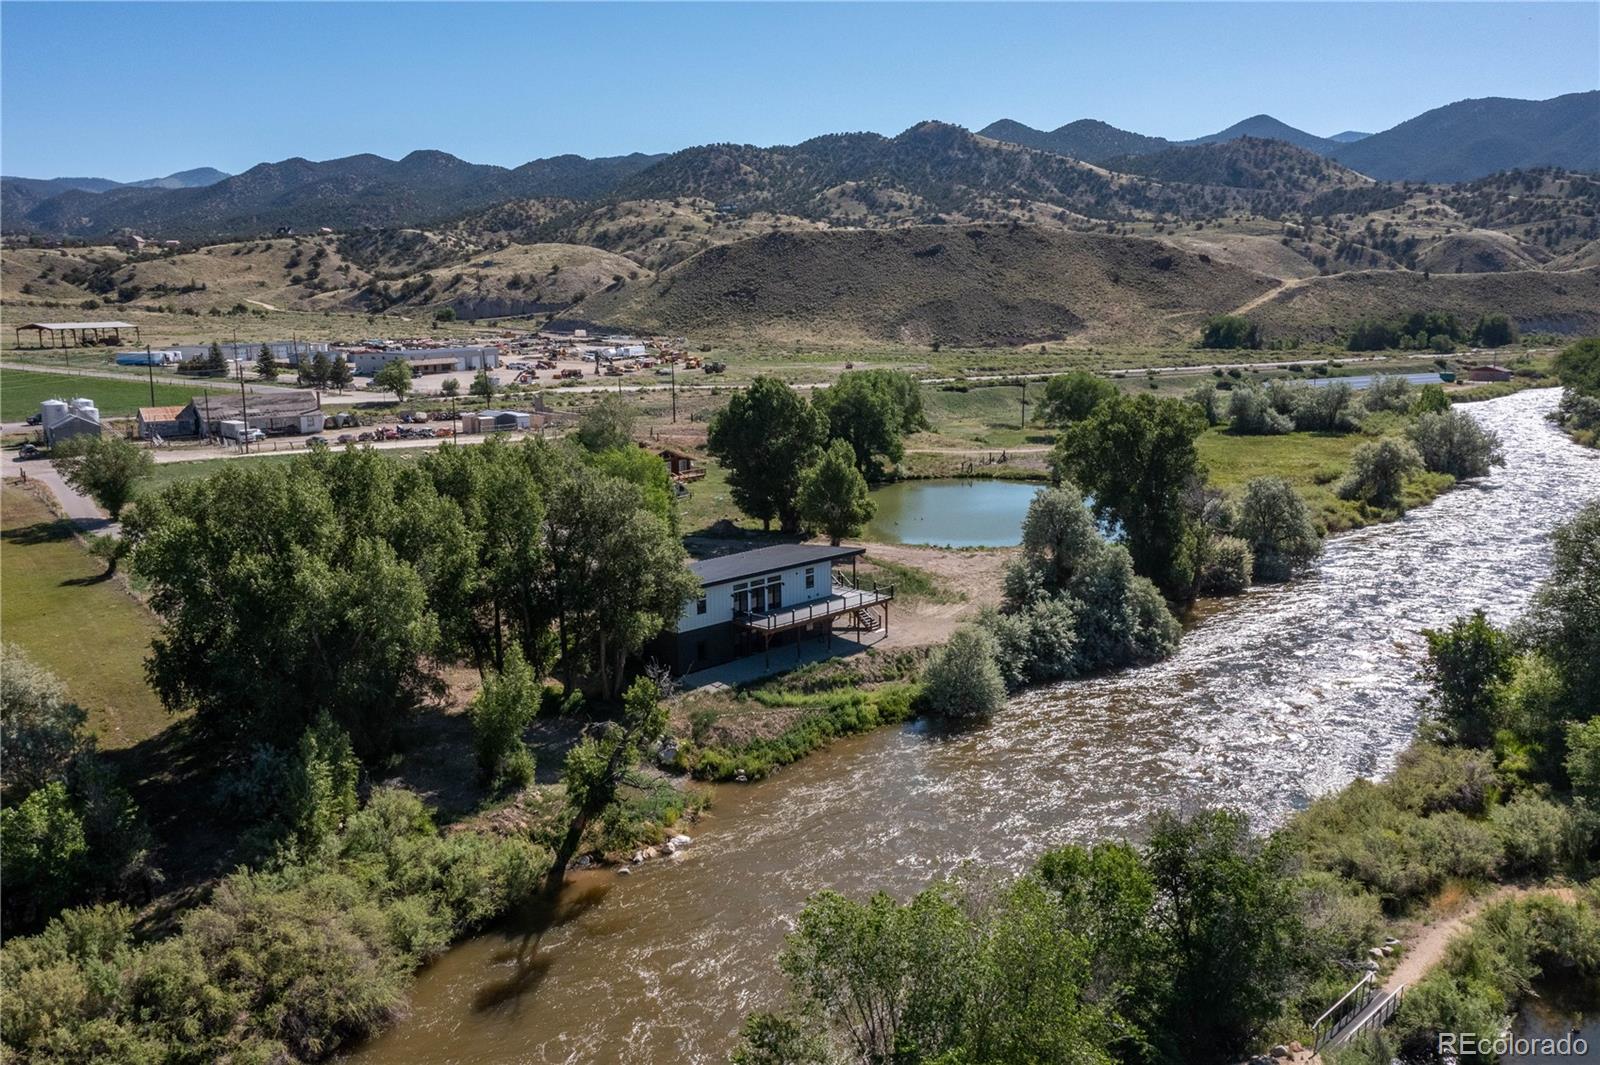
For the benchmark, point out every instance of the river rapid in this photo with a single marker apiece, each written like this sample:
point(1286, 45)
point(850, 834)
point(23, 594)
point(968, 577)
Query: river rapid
point(1276, 696)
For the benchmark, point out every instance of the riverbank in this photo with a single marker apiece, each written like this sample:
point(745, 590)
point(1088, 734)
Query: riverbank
point(1276, 697)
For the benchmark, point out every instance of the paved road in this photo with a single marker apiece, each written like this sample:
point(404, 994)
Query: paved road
point(83, 511)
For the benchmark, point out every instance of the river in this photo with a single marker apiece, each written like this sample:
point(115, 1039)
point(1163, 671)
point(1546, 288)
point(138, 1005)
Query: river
point(1275, 697)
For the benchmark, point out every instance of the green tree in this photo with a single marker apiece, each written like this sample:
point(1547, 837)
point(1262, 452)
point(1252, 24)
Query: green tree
point(1072, 397)
point(833, 495)
point(1578, 366)
point(320, 371)
point(451, 387)
point(340, 376)
point(320, 796)
point(1583, 760)
point(1228, 925)
point(1135, 456)
point(281, 591)
point(216, 361)
point(42, 727)
point(1467, 663)
point(606, 425)
point(863, 411)
point(483, 385)
point(1378, 471)
point(1229, 331)
point(105, 468)
point(500, 713)
point(766, 437)
point(1431, 399)
point(962, 680)
point(1564, 618)
point(1454, 443)
point(1494, 331)
point(445, 314)
point(644, 470)
point(598, 766)
point(266, 364)
point(394, 377)
point(1276, 524)
point(43, 852)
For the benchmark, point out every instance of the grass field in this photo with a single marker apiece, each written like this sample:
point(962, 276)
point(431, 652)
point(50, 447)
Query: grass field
point(1313, 463)
point(22, 390)
point(89, 632)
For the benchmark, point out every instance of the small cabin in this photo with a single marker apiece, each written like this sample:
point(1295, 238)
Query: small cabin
point(1489, 373)
point(681, 466)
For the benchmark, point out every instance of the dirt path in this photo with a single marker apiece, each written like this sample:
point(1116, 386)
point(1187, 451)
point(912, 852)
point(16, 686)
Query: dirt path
point(1251, 305)
point(976, 576)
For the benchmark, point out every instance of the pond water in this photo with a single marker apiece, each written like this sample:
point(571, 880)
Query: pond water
point(951, 513)
point(1557, 1018)
point(1275, 697)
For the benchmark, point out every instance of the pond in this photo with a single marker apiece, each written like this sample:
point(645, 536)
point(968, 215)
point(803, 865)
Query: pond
point(951, 513)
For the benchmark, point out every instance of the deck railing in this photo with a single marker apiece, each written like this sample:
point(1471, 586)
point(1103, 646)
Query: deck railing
point(842, 601)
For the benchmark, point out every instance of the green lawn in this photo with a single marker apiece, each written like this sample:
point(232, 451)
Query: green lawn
point(90, 633)
point(22, 390)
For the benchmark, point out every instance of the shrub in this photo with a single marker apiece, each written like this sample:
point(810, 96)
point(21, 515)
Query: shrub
point(1388, 392)
point(1250, 414)
point(1431, 399)
point(1205, 397)
point(1037, 644)
point(1378, 471)
point(962, 680)
point(1454, 443)
point(1276, 524)
point(1325, 408)
point(42, 729)
point(1227, 566)
point(1533, 834)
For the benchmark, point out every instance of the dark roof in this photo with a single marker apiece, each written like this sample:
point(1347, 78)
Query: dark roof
point(743, 564)
point(226, 406)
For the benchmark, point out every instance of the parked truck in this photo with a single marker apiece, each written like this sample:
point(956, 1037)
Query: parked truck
point(236, 431)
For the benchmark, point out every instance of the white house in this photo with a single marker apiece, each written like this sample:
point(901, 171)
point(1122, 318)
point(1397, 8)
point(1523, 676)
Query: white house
point(754, 600)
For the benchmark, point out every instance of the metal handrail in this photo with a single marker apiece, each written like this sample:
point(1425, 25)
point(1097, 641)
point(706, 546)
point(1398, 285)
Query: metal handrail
point(863, 599)
point(1318, 1036)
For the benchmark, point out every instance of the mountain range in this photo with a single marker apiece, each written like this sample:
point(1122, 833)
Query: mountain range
point(932, 172)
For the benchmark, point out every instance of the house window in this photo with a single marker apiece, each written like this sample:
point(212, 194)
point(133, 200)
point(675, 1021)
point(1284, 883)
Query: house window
point(700, 605)
point(811, 578)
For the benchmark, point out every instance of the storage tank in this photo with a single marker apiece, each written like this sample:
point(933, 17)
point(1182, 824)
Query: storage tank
point(51, 411)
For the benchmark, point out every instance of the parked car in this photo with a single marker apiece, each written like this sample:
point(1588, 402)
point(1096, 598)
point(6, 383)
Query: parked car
point(347, 438)
point(313, 441)
point(365, 438)
point(444, 430)
point(34, 418)
point(28, 451)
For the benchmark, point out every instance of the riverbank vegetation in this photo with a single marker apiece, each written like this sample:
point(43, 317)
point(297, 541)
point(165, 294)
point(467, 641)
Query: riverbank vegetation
point(1578, 368)
point(1209, 941)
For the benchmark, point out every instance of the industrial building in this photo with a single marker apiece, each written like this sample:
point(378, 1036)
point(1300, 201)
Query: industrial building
point(291, 413)
point(368, 361)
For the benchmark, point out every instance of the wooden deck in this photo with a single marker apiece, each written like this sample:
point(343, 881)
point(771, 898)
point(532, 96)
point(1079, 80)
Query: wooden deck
point(842, 601)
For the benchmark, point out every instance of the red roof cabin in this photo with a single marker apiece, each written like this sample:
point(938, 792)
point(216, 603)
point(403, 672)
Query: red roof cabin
point(1489, 373)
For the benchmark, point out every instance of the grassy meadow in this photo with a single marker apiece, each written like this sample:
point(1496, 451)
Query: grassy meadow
point(90, 632)
point(21, 392)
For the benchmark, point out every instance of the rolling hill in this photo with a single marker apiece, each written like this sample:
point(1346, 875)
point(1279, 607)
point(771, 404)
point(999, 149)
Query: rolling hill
point(1245, 163)
point(1265, 127)
point(959, 285)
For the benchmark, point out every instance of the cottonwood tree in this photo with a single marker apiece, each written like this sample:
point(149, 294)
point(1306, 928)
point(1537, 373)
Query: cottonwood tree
point(1135, 456)
point(1378, 470)
point(833, 495)
point(394, 377)
point(606, 425)
point(105, 468)
point(766, 437)
point(1072, 397)
point(1454, 443)
point(866, 413)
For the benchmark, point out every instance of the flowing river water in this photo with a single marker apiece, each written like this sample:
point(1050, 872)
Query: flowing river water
point(1275, 697)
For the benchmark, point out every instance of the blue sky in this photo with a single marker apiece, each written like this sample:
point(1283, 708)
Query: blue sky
point(135, 90)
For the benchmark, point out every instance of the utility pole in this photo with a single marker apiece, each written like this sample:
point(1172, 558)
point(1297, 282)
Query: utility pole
point(150, 367)
point(674, 365)
point(244, 409)
point(1024, 424)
